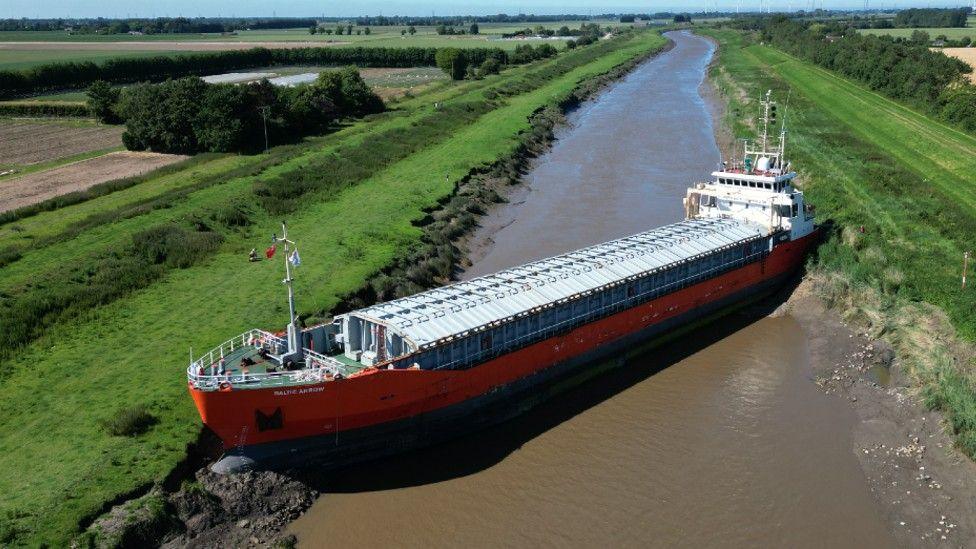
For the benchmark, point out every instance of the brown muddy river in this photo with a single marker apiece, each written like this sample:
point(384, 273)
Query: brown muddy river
point(718, 439)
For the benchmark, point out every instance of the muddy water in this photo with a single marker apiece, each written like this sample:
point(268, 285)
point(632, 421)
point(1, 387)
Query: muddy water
point(719, 438)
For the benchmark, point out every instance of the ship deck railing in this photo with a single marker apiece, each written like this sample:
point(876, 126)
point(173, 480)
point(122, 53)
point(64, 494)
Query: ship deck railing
point(204, 373)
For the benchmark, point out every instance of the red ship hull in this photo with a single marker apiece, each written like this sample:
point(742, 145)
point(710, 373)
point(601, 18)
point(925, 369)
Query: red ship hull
point(383, 411)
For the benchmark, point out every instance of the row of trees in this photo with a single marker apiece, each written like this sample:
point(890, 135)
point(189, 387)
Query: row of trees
point(450, 30)
point(585, 29)
point(187, 115)
point(460, 63)
point(339, 30)
point(932, 17)
point(903, 70)
point(159, 25)
point(433, 21)
point(75, 75)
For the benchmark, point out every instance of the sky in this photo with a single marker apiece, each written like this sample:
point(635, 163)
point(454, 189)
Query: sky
point(309, 8)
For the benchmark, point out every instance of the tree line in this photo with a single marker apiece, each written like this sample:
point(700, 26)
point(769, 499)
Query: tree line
point(433, 21)
point(932, 17)
point(73, 75)
point(188, 116)
point(460, 63)
point(903, 70)
point(158, 25)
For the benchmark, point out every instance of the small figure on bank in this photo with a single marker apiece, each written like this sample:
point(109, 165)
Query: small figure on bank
point(253, 255)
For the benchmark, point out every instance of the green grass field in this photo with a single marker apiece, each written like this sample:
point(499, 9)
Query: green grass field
point(954, 34)
point(866, 161)
point(21, 59)
point(61, 465)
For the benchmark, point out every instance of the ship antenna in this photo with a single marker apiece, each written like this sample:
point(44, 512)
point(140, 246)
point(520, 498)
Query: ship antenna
point(765, 120)
point(294, 349)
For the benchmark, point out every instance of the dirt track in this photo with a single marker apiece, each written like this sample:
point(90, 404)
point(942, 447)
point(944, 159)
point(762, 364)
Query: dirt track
point(163, 45)
point(25, 142)
point(37, 187)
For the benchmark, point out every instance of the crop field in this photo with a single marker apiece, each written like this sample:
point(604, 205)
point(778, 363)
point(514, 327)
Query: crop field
point(21, 49)
point(27, 142)
point(132, 347)
point(897, 189)
point(30, 189)
point(967, 55)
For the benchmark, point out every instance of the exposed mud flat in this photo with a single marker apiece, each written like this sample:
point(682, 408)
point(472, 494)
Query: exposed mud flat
point(923, 485)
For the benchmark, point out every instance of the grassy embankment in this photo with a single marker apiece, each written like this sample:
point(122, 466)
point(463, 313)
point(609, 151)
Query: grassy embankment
point(908, 180)
point(62, 466)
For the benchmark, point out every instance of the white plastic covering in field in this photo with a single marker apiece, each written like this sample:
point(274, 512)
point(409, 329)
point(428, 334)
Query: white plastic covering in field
point(295, 79)
point(430, 316)
point(235, 77)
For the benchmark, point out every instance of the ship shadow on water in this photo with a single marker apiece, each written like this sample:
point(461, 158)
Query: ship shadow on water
point(481, 449)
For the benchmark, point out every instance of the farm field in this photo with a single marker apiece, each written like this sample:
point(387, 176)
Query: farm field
point(27, 142)
point(30, 189)
point(897, 186)
point(952, 33)
point(967, 55)
point(141, 339)
point(21, 49)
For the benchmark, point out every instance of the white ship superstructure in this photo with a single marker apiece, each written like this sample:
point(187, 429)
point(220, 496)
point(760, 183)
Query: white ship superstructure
point(758, 188)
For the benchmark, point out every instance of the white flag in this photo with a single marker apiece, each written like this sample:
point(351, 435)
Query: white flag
point(294, 259)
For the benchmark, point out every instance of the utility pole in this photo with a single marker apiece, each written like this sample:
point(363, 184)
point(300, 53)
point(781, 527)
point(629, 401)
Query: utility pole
point(265, 111)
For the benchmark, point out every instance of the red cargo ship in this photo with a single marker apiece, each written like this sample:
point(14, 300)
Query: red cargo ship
point(415, 370)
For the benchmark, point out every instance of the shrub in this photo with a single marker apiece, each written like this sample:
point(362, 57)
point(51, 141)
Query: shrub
point(490, 66)
point(102, 101)
point(130, 422)
point(453, 62)
point(174, 246)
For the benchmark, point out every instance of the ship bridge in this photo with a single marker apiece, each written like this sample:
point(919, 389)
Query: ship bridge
point(425, 320)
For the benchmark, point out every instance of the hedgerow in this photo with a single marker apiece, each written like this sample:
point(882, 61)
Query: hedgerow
point(64, 75)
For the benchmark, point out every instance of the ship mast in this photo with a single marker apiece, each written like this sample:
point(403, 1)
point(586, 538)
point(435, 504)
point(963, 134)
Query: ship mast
point(294, 347)
point(771, 159)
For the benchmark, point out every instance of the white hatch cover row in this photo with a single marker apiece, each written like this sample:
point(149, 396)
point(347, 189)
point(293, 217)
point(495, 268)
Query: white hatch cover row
point(430, 316)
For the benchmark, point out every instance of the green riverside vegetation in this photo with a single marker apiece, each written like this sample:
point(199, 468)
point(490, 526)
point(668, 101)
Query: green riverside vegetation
point(895, 191)
point(355, 200)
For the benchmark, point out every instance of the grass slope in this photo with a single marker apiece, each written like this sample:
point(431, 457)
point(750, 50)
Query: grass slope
point(61, 465)
point(869, 162)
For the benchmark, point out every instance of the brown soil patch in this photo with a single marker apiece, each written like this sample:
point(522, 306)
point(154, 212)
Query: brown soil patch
point(966, 55)
point(162, 45)
point(37, 187)
point(25, 142)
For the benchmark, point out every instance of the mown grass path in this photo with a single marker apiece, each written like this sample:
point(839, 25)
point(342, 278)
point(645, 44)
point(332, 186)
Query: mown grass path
point(61, 466)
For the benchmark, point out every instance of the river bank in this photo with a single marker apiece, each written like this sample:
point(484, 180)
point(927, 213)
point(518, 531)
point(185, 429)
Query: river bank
point(920, 480)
